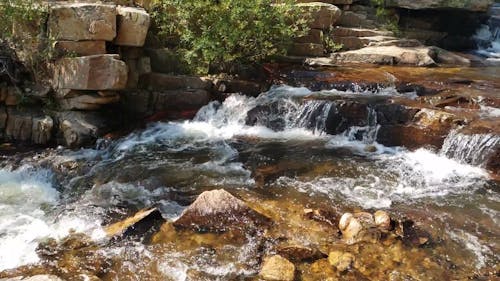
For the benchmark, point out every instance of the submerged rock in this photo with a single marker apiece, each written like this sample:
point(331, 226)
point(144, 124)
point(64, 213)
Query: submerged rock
point(142, 223)
point(277, 268)
point(34, 278)
point(219, 211)
point(359, 227)
point(299, 253)
point(342, 261)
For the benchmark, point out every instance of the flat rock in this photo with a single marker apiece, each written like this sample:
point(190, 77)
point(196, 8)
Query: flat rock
point(99, 72)
point(159, 81)
point(88, 101)
point(179, 99)
point(82, 21)
point(133, 25)
point(219, 211)
point(277, 268)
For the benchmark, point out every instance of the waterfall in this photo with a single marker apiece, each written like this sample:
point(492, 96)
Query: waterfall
point(488, 36)
point(472, 149)
point(312, 115)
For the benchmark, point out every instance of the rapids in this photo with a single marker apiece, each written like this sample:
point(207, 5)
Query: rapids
point(53, 192)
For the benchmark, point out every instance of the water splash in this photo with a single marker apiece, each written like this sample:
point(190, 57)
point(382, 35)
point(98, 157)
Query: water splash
point(487, 36)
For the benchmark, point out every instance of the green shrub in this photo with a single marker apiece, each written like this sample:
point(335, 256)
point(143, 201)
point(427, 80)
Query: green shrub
point(24, 14)
point(389, 20)
point(216, 35)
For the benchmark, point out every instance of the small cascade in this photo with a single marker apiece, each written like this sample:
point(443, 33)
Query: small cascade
point(472, 149)
point(313, 116)
point(366, 134)
point(488, 36)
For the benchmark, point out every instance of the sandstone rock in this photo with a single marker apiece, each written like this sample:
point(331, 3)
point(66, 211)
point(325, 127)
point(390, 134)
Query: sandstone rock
point(342, 261)
point(164, 61)
point(219, 211)
point(358, 227)
point(307, 50)
point(133, 25)
point(472, 5)
point(180, 99)
point(99, 72)
point(41, 132)
point(353, 19)
point(340, 31)
point(137, 102)
point(12, 97)
point(81, 48)
point(447, 57)
point(349, 226)
point(277, 268)
point(87, 102)
point(146, 4)
point(354, 43)
point(82, 21)
point(244, 87)
point(158, 81)
point(323, 15)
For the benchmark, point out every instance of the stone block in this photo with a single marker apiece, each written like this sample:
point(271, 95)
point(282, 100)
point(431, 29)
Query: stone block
point(99, 72)
point(133, 25)
point(323, 15)
point(82, 21)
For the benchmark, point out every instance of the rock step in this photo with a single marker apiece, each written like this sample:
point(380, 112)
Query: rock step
point(354, 43)
point(342, 31)
point(354, 19)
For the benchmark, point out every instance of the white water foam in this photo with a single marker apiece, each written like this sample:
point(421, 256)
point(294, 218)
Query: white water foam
point(407, 176)
point(26, 196)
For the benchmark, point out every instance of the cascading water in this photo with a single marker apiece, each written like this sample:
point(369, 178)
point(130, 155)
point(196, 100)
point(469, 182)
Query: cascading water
point(473, 149)
point(488, 36)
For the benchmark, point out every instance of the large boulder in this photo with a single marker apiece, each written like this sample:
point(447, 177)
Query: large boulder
point(87, 102)
point(180, 99)
point(82, 21)
point(28, 126)
point(81, 48)
point(77, 129)
point(472, 5)
point(323, 15)
point(219, 211)
point(99, 72)
point(133, 25)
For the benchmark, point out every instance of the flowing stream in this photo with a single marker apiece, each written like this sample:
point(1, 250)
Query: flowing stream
point(53, 192)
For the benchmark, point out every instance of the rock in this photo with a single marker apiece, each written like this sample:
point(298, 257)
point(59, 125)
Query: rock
point(315, 36)
point(28, 126)
point(447, 57)
point(277, 268)
point(12, 97)
point(146, 4)
point(340, 31)
point(248, 88)
point(77, 129)
point(391, 55)
point(334, 2)
point(99, 72)
point(159, 81)
point(306, 50)
point(471, 5)
point(349, 226)
point(137, 102)
point(299, 253)
point(34, 278)
point(81, 48)
point(142, 224)
point(179, 99)
point(82, 21)
point(382, 220)
point(219, 211)
point(323, 15)
point(87, 102)
point(133, 25)
point(342, 261)
point(353, 19)
point(354, 43)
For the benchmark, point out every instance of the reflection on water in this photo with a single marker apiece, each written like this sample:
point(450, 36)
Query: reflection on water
point(283, 170)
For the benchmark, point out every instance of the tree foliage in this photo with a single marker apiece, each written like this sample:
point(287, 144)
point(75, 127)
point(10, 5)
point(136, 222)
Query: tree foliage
point(217, 34)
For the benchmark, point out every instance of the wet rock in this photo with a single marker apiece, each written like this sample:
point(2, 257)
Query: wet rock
point(358, 227)
point(324, 15)
point(77, 129)
point(179, 99)
point(277, 268)
point(81, 48)
point(82, 21)
point(321, 215)
point(219, 211)
point(28, 126)
point(447, 57)
point(299, 253)
point(382, 220)
point(320, 270)
point(133, 25)
point(141, 225)
point(349, 226)
point(99, 72)
point(249, 88)
point(411, 234)
point(342, 261)
point(34, 278)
